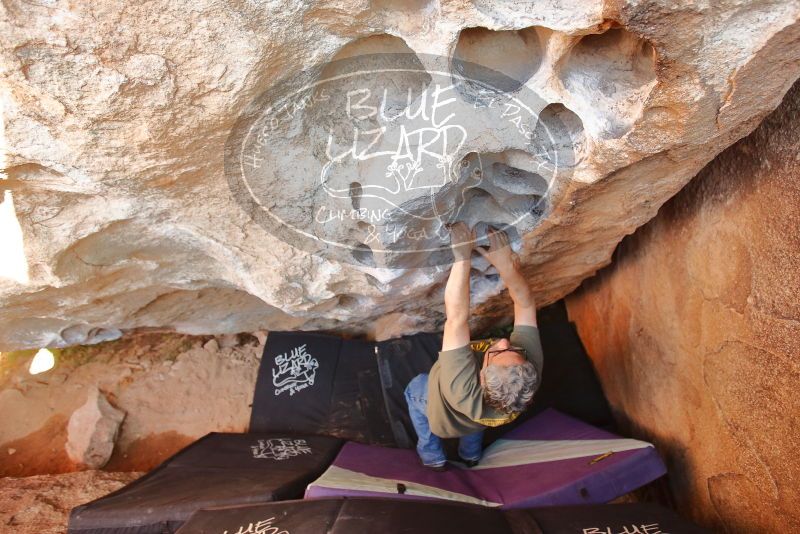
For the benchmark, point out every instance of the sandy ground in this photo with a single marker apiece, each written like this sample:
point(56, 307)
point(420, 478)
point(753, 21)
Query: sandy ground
point(41, 504)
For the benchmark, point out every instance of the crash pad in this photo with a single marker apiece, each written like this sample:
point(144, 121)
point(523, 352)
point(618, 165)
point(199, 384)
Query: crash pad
point(321, 384)
point(551, 459)
point(384, 516)
point(218, 469)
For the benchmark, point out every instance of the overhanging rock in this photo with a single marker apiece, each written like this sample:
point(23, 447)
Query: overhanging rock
point(117, 117)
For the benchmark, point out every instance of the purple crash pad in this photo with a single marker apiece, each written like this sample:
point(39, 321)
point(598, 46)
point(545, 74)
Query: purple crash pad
point(552, 459)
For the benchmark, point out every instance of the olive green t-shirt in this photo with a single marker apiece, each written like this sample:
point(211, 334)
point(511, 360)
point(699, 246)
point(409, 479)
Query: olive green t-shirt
point(455, 396)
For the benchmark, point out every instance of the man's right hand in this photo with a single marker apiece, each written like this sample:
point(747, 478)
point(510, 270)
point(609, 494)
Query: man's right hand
point(499, 253)
point(462, 241)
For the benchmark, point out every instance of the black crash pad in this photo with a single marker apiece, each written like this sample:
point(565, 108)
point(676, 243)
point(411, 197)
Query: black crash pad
point(382, 516)
point(217, 470)
point(569, 384)
point(320, 384)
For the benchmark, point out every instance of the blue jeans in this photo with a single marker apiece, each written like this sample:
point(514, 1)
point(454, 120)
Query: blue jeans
point(429, 446)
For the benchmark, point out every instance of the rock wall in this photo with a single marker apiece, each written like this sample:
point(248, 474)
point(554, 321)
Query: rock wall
point(695, 332)
point(172, 389)
point(118, 213)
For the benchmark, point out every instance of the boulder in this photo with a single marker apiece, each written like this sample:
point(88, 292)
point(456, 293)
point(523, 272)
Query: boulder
point(695, 332)
point(92, 431)
point(129, 213)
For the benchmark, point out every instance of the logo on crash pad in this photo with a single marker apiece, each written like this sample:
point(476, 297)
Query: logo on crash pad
point(265, 526)
point(280, 448)
point(294, 370)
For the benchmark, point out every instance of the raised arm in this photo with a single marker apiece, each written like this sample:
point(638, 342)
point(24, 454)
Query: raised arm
point(456, 292)
point(507, 264)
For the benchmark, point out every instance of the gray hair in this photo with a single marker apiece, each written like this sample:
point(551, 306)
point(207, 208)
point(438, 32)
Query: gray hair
point(509, 388)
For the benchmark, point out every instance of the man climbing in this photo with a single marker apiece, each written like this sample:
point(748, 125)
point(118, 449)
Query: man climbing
point(467, 391)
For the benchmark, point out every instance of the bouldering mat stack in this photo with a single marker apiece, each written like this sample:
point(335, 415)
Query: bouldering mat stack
point(353, 389)
point(551, 459)
point(314, 390)
point(217, 470)
point(382, 516)
point(320, 384)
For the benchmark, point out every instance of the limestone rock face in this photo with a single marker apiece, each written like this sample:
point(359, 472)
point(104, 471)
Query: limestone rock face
point(695, 331)
point(119, 214)
point(92, 431)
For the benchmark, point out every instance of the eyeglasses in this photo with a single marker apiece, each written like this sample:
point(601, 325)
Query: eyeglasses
point(519, 350)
